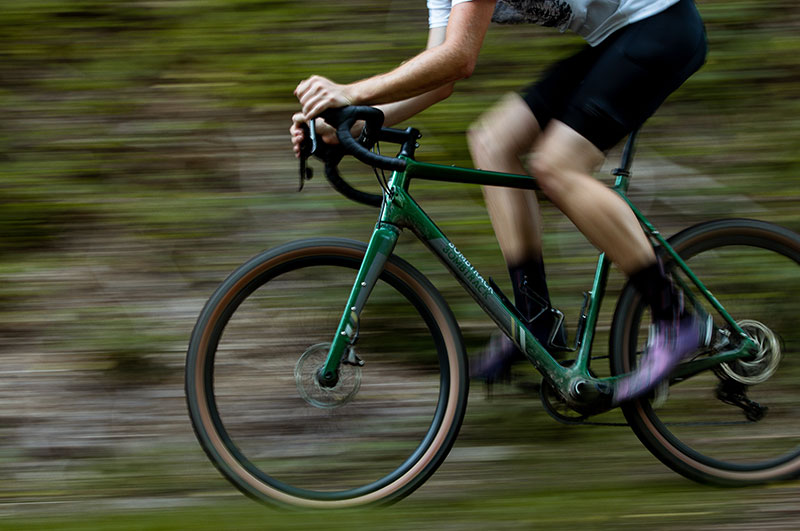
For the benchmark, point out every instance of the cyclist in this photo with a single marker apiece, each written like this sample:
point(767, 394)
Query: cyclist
point(637, 53)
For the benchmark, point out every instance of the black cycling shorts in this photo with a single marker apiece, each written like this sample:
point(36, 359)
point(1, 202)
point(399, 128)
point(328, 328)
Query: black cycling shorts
point(607, 91)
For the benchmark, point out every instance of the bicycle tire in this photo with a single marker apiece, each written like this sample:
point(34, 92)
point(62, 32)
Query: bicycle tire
point(283, 440)
point(751, 267)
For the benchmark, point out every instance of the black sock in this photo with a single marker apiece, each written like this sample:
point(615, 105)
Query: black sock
point(658, 290)
point(532, 299)
point(531, 275)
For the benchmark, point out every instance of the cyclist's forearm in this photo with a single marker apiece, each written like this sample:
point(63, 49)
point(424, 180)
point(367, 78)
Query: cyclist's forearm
point(429, 71)
point(403, 110)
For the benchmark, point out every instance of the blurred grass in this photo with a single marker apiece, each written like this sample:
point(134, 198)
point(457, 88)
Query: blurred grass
point(144, 154)
point(662, 508)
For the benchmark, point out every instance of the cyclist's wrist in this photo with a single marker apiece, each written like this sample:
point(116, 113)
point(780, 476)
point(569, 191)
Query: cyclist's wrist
point(355, 93)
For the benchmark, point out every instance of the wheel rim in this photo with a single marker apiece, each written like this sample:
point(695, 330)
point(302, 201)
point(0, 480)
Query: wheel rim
point(435, 436)
point(758, 285)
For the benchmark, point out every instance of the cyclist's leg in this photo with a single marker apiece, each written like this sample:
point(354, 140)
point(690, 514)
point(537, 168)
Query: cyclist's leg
point(502, 137)
point(497, 141)
point(630, 74)
point(593, 100)
point(563, 165)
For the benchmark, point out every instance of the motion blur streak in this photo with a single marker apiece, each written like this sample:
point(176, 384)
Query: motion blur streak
point(144, 153)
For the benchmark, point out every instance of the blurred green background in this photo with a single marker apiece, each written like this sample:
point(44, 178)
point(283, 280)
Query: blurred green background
point(144, 153)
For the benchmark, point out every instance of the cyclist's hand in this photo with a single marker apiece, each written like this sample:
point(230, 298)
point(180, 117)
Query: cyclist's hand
point(296, 132)
point(324, 131)
point(318, 93)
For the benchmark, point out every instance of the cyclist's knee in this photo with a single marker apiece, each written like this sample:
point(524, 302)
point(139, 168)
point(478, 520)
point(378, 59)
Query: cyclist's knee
point(508, 129)
point(487, 143)
point(549, 174)
point(563, 159)
point(475, 135)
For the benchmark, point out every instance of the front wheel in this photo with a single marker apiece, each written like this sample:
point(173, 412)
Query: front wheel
point(739, 423)
point(279, 435)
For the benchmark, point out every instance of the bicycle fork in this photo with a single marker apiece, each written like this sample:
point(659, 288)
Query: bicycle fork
point(380, 247)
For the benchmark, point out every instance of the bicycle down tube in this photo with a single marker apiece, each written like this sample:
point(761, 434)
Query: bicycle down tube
point(401, 211)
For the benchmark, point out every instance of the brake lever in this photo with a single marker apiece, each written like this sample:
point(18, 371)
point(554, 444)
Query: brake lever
point(307, 148)
point(306, 173)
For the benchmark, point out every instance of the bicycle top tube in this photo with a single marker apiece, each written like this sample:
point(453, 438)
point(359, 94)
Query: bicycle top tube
point(343, 120)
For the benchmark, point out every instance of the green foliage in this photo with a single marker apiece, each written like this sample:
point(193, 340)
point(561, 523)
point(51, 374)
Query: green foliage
point(129, 116)
point(123, 93)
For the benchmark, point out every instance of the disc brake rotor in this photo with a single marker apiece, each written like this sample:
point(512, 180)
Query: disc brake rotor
point(761, 365)
point(306, 376)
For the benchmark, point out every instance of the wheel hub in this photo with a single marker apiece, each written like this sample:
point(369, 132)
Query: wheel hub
point(762, 364)
point(325, 395)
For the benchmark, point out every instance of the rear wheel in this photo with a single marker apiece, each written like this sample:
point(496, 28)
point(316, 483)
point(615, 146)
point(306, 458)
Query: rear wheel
point(740, 423)
point(274, 430)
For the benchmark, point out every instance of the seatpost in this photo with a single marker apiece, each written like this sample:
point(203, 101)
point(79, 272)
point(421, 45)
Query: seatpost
point(623, 173)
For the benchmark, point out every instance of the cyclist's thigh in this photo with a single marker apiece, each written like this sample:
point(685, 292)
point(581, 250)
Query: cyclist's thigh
point(638, 68)
point(607, 91)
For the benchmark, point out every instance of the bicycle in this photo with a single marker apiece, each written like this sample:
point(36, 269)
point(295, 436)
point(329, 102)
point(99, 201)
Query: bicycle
point(302, 399)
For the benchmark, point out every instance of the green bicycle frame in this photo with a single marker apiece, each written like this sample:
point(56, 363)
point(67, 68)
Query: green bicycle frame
point(400, 211)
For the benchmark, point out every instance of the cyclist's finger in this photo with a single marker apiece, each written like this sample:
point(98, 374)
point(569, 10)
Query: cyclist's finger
point(303, 86)
point(323, 127)
point(297, 140)
point(306, 104)
point(316, 105)
point(297, 134)
point(309, 91)
point(296, 130)
point(317, 99)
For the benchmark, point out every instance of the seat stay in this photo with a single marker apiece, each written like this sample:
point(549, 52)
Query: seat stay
point(656, 235)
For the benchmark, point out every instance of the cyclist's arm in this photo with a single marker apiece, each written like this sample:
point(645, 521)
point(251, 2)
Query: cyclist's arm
point(430, 70)
point(394, 113)
point(402, 110)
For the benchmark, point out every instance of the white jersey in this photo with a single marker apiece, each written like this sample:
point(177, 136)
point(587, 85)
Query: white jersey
point(594, 20)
